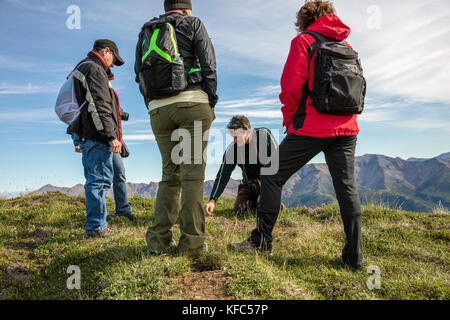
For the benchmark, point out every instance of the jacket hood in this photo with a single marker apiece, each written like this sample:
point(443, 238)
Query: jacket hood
point(96, 57)
point(172, 17)
point(331, 27)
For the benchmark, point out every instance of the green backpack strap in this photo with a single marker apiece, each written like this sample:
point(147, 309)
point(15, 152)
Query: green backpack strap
point(153, 46)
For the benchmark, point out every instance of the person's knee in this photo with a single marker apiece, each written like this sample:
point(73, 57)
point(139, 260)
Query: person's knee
point(350, 209)
point(243, 206)
point(171, 176)
point(271, 180)
point(192, 176)
point(346, 190)
point(119, 178)
point(97, 182)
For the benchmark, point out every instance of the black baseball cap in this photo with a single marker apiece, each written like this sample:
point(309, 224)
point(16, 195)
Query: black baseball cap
point(105, 43)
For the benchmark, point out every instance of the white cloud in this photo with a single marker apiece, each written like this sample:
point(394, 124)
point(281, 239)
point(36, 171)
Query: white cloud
point(247, 103)
point(407, 56)
point(269, 90)
point(426, 124)
point(31, 65)
point(142, 131)
point(139, 137)
point(137, 122)
point(269, 114)
point(375, 116)
point(28, 115)
point(13, 89)
point(56, 142)
point(134, 138)
point(221, 120)
point(41, 6)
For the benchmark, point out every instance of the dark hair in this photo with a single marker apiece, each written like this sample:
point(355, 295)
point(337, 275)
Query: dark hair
point(311, 11)
point(239, 122)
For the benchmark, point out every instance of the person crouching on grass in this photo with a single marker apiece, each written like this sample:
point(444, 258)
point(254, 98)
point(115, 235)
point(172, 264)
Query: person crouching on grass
point(249, 142)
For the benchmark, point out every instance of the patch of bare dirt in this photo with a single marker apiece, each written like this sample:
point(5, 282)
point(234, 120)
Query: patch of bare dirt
point(30, 240)
point(311, 211)
point(209, 285)
point(20, 272)
point(40, 235)
point(230, 225)
point(296, 292)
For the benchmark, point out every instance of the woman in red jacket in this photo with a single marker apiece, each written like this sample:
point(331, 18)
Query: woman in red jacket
point(310, 132)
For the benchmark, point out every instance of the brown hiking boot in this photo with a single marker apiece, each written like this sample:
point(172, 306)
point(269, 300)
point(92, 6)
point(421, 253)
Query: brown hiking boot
point(108, 232)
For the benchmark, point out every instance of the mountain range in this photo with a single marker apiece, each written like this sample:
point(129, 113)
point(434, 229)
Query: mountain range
point(414, 184)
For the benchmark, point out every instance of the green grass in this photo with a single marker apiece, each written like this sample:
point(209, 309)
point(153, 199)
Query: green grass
point(42, 235)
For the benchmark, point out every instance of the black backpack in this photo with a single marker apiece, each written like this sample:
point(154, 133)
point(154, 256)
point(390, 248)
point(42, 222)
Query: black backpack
point(339, 84)
point(162, 73)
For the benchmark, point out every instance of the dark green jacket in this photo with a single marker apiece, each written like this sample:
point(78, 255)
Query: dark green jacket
point(251, 165)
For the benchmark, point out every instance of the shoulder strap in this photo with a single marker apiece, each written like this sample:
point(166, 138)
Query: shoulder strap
point(180, 19)
point(154, 37)
point(78, 65)
point(77, 74)
point(158, 22)
point(320, 38)
point(258, 132)
point(312, 49)
point(262, 128)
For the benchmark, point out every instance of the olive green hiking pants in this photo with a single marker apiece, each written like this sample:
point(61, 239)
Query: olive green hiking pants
point(183, 172)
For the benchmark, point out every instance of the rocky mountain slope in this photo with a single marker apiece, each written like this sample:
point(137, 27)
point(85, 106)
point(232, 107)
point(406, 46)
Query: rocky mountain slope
point(413, 184)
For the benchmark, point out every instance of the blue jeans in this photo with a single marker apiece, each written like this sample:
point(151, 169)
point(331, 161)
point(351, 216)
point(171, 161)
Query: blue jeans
point(99, 172)
point(119, 182)
point(120, 186)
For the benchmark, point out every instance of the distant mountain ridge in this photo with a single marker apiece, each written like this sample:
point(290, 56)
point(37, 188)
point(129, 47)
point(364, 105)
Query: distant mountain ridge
point(444, 156)
point(414, 185)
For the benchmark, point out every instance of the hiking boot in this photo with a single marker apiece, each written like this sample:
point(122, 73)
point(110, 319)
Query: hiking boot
point(195, 252)
point(108, 232)
point(130, 216)
point(249, 246)
point(154, 252)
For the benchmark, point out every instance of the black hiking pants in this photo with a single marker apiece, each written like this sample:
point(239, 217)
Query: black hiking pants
point(295, 152)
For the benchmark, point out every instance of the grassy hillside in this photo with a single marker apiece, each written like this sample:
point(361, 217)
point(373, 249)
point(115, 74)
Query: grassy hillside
point(41, 235)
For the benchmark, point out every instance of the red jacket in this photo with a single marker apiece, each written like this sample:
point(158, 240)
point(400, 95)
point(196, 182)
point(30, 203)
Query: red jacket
point(295, 75)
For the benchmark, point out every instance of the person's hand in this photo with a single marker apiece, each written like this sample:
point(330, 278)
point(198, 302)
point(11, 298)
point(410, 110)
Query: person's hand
point(116, 146)
point(77, 149)
point(209, 207)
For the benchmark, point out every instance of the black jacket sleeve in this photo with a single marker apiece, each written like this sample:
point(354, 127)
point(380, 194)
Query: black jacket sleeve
point(222, 178)
point(204, 49)
point(138, 62)
point(266, 136)
point(98, 84)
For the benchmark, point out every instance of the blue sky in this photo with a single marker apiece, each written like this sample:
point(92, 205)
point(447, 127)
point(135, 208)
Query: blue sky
point(404, 47)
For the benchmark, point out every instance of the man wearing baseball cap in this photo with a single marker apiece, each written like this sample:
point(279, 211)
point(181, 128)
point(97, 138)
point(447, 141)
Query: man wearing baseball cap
point(99, 129)
point(108, 44)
